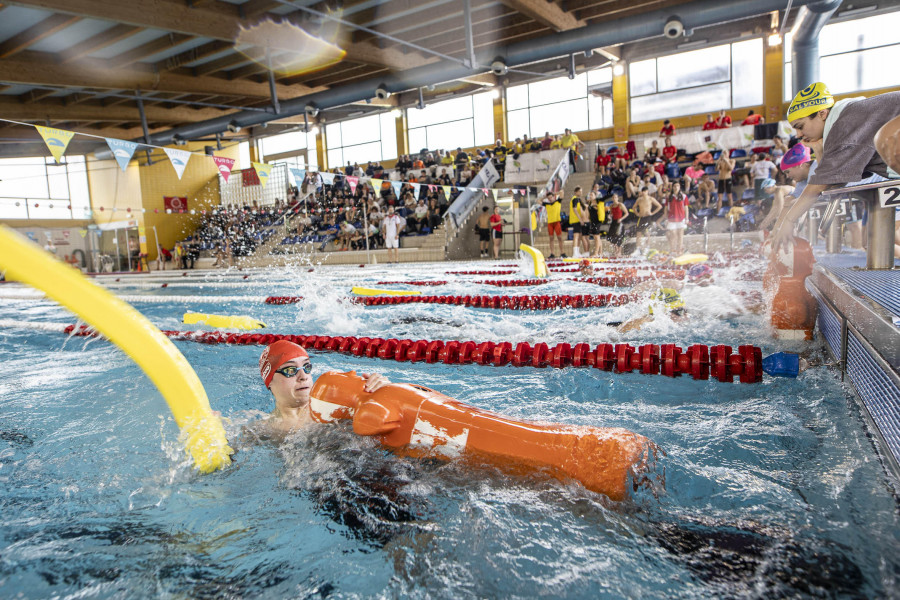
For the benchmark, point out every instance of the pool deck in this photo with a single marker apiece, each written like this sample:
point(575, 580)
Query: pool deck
point(859, 318)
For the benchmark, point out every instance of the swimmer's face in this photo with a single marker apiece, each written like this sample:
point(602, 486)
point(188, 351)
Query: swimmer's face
point(811, 128)
point(292, 391)
point(798, 173)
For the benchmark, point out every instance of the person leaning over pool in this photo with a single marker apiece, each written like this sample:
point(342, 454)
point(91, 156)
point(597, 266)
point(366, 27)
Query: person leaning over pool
point(287, 372)
point(847, 129)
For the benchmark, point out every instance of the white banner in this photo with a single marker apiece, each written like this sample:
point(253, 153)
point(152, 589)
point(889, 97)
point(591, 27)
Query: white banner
point(557, 181)
point(467, 200)
point(532, 166)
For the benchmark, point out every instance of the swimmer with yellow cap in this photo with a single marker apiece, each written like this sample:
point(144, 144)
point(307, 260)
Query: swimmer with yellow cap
point(845, 130)
point(669, 298)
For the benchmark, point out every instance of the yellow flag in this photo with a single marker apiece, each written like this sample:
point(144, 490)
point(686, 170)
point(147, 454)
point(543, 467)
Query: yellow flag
point(376, 185)
point(495, 192)
point(57, 140)
point(446, 191)
point(262, 171)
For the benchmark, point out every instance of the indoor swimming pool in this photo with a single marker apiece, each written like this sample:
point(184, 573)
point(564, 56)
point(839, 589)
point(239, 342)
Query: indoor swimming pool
point(762, 490)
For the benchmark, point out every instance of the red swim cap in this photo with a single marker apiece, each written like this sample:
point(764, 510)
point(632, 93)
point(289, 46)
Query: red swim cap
point(275, 355)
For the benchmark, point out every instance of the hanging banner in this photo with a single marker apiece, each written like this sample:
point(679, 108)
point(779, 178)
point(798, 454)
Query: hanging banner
point(299, 176)
point(123, 151)
point(558, 180)
point(57, 140)
point(469, 198)
point(262, 172)
point(175, 203)
point(532, 166)
point(224, 165)
point(179, 159)
point(353, 181)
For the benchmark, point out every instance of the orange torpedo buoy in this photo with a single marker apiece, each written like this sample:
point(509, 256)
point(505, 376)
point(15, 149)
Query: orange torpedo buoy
point(793, 308)
point(415, 421)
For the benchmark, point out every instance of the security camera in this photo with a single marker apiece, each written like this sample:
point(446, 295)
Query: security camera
point(312, 110)
point(673, 28)
point(233, 127)
point(381, 93)
point(499, 68)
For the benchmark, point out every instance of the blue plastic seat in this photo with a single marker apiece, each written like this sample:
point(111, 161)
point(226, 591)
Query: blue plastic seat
point(738, 153)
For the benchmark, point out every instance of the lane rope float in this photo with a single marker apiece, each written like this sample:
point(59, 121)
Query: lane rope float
point(699, 361)
point(136, 299)
point(128, 329)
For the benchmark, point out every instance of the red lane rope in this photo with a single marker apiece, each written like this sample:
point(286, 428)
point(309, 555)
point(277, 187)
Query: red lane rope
point(480, 272)
point(512, 282)
point(698, 361)
point(283, 299)
point(505, 302)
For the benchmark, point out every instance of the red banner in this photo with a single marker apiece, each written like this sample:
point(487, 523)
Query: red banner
point(249, 177)
point(175, 203)
point(224, 165)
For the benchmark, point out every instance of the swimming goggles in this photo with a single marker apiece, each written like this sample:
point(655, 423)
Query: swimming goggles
point(291, 371)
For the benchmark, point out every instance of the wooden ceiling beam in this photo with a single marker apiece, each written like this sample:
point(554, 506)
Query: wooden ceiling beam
point(38, 68)
point(546, 13)
point(36, 33)
point(149, 49)
point(50, 110)
point(114, 34)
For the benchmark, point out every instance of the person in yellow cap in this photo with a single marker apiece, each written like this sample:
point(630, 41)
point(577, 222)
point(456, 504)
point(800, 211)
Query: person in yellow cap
point(846, 131)
point(669, 298)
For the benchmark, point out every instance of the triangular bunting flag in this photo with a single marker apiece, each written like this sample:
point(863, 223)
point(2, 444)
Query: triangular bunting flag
point(376, 185)
point(328, 178)
point(57, 140)
point(224, 165)
point(446, 189)
point(122, 150)
point(496, 192)
point(179, 159)
point(262, 171)
point(353, 181)
point(299, 176)
point(396, 185)
point(473, 190)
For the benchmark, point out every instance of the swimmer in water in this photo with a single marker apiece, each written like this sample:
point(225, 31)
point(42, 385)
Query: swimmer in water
point(286, 370)
point(671, 300)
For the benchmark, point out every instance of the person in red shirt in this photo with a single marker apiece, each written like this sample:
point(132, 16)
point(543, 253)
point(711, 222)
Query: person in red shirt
point(496, 230)
point(619, 213)
point(669, 151)
point(667, 130)
point(724, 121)
point(601, 162)
point(676, 215)
point(753, 119)
point(710, 123)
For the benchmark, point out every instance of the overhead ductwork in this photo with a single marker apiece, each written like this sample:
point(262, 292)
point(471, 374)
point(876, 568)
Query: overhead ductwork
point(805, 42)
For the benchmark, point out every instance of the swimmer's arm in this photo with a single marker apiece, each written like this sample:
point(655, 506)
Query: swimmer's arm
point(785, 224)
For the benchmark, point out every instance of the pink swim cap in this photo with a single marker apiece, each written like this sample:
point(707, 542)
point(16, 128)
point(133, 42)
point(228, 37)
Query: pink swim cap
point(796, 156)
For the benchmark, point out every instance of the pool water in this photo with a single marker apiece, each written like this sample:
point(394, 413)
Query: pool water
point(770, 490)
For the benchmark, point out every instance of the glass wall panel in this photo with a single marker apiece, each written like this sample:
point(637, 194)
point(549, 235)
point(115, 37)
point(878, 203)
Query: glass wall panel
point(691, 101)
point(642, 77)
point(517, 97)
point(388, 124)
point(555, 118)
point(695, 68)
point(483, 111)
point(747, 68)
point(556, 90)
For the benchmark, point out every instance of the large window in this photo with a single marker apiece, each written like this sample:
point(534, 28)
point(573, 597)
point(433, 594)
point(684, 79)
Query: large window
point(700, 81)
point(361, 140)
point(863, 54)
point(553, 105)
point(458, 123)
point(37, 188)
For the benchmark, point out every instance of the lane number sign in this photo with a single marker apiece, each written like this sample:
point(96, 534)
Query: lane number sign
point(889, 196)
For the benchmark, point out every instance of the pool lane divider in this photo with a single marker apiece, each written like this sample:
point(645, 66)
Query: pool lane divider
point(701, 362)
point(134, 334)
point(507, 302)
point(135, 299)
